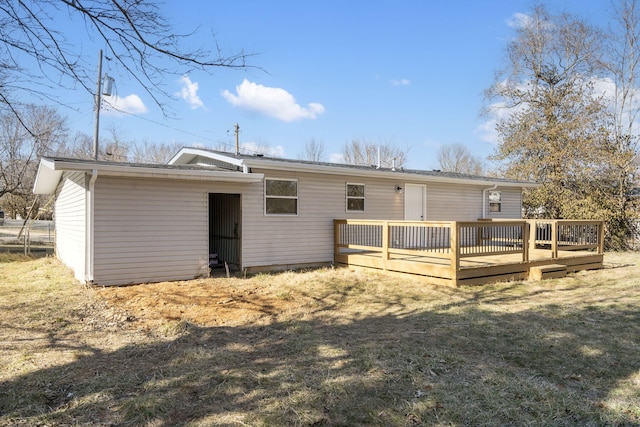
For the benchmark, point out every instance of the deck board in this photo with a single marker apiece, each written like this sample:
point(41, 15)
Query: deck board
point(473, 270)
point(470, 252)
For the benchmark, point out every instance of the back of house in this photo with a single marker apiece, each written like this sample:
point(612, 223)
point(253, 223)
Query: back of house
point(122, 223)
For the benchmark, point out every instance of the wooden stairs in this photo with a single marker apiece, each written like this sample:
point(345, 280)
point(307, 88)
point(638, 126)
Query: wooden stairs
point(549, 271)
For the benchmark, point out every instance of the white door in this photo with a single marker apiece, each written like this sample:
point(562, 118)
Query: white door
point(415, 202)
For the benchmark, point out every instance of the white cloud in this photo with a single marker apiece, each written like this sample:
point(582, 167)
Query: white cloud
point(271, 101)
point(131, 104)
point(487, 131)
point(519, 20)
point(523, 21)
point(498, 111)
point(189, 92)
point(401, 82)
point(605, 87)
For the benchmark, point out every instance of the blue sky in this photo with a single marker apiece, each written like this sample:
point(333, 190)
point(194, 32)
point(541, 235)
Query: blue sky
point(408, 73)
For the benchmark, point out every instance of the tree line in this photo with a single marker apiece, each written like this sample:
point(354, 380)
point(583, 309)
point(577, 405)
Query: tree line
point(43, 131)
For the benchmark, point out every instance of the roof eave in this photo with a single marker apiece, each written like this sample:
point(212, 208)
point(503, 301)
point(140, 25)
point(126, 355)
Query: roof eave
point(50, 171)
point(47, 177)
point(376, 173)
point(186, 154)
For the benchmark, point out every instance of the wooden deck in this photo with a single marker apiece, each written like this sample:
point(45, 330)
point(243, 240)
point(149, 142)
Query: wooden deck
point(471, 253)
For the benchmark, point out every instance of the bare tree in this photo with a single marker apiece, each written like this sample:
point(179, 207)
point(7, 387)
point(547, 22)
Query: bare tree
point(79, 146)
point(553, 120)
point(148, 152)
point(557, 126)
point(313, 151)
point(622, 60)
point(136, 35)
point(457, 158)
point(387, 155)
point(117, 149)
point(20, 150)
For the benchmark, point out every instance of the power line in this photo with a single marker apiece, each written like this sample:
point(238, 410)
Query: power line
point(231, 146)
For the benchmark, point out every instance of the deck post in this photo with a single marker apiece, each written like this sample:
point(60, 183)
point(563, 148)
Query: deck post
point(455, 251)
point(533, 234)
point(554, 239)
point(385, 244)
point(336, 238)
point(526, 236)
point(601, 237)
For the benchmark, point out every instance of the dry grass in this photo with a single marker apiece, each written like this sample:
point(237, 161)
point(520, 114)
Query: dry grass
point(320, 348)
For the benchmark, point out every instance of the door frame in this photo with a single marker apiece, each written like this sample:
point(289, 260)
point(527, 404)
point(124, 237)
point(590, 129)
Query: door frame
point(408, 200)
point(229, 222)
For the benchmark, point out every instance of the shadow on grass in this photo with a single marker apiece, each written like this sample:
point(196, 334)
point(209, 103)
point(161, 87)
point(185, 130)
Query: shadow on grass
point(447, 366)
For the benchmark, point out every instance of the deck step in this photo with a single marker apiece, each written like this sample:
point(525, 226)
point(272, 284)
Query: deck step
point(549, 271)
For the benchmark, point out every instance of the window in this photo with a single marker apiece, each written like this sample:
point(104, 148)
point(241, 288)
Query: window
point(495, 201)
point(355, 197)
point(281, 197)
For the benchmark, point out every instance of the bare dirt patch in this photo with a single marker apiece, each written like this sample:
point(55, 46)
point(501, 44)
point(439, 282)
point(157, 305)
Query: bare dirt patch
point(204, 302)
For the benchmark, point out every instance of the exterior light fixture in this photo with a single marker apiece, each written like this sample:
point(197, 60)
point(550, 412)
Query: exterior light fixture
point(399, 189)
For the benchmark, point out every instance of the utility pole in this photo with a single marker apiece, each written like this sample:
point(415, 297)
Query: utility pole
point(98, 90)
point(237, 127)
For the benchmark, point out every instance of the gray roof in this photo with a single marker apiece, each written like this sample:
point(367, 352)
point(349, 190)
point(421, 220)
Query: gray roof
point(102, 163)
point(50, 171)
point(238, 168)
point(263, 161)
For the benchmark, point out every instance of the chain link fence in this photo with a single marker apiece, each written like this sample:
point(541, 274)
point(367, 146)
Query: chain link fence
point(29, 238)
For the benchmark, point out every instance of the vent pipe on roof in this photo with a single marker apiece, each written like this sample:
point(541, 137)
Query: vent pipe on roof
point(379, 161)
point(237, 127)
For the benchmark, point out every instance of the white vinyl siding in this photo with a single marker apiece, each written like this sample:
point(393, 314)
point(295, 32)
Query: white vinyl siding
point(308, 237)
point(510, 204)
point(452, 202)
point(70, 220)
point(150, 230)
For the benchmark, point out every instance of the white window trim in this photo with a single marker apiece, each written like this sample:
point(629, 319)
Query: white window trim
point(495, 199)
point(296, 197)
point(347, 197)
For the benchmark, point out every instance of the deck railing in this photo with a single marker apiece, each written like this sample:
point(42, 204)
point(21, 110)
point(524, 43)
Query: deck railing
point(567, 235)
point(454, 240)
